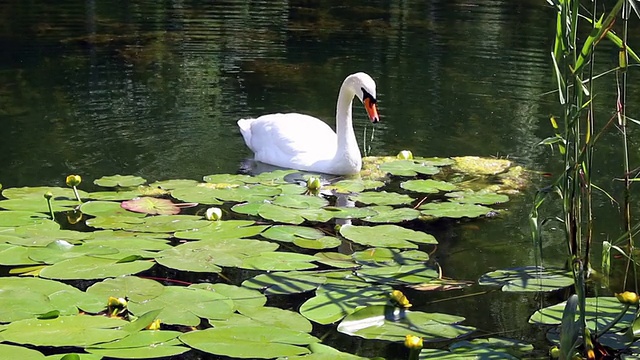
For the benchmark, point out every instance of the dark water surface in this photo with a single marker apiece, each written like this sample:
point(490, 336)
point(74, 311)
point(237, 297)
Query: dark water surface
point(154, 88)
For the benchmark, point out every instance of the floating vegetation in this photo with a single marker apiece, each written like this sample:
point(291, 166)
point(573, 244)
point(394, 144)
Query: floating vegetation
point(351, 244)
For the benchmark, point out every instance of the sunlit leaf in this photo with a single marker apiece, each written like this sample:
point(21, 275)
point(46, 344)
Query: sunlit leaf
point(528, 278)
point(454, 210)
point(129, 287)
point(285, 282)
point(427, 186)
point(119, 180)
point(150, 205)
point(386, 236)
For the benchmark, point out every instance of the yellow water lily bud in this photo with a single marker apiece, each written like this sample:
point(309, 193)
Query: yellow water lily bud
point(116, 302)
point(628, 297)
point(405, 155)
point(413, 342)
point(73, 180)
point(213, 214)
point(48, 195)
point(554, 352)
point(399, 299)
point(155, 325)
point(313, 184)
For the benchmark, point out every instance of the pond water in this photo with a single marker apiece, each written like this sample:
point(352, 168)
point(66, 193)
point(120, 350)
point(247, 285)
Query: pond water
point(154, 89)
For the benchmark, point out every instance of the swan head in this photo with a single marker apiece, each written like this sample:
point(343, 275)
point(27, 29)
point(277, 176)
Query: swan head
point(364, 88)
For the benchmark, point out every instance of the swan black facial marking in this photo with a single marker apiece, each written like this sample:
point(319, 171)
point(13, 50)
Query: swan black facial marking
point(366, 95)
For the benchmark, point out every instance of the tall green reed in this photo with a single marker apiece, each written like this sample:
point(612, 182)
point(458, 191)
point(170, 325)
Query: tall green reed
point(580, 28)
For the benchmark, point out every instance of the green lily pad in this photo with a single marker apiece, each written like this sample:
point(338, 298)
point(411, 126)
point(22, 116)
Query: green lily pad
point(192, 303)
point(88, 267)
point(325, 242)
point(152, 224)
point(116, 195)
point(74, 356)
point(300, 201)
point(408, 168)
point(350, 212)
point(390, 323)
point(76, 330)
point(480, 166)
point(398, 274)
point(289, 233)
point(483, 198)
point(454, 210)
point(107, 208)
point(278, 261)
point(382, 198)
point(336, 260)
point(119, 180)
point(197, 193)
point(221, 230)
point(37, 204)
point(291, 282)
point(12, 255)
point(387, 214)
point(59, 194)
point(528, 278)
point(19, 352)
point(270, 316)
point(320, 351)
point(173, 184)
point(292, 216)
point(21, 218)
point(387, 256)
point(271, 178)
point(244, 299)
point(246, 193)
point(151, 205)
point(346, 186)
point(211, 255)
point(333, 303)
point(142, 345)
point(599, 312)
point(258, 342)
point(129, 287)
point(249, 208)
point(386, 236)
point(427, 186)
point(60, 250)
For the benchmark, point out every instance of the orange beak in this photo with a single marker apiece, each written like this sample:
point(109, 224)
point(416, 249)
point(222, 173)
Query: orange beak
point(372, 110)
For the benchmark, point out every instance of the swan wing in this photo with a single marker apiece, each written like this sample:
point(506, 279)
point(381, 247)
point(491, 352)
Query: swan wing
point(289, 140)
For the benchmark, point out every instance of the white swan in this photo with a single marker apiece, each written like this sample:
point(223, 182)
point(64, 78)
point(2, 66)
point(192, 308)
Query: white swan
point(303, 142)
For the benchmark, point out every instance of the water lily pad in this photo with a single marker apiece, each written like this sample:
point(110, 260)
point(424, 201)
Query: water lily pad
point(196, 193)
point(249, 208)
point(59, 193)
point(21, 218)
point(300, 201)
point(272, 178)
point(346, 186)
point(390, 323)
point(142, 345)
point(335, 259)
point(289, 233)
point(60, 250)
point(386, 236)
point(153, 206)
point(275, 317)
point(480, 166)
point(484, 198)
point(258, 342)
point(382, 198)
point(278, 261)
point(130, 287)
point(229, 180)
point(528, 278)
point(11, 255)
point(387, 214)
point(246, 193)
point(119, 180)
point(285, 282)
point(454, 210)
point(244, 299)
point(117, 195)
point(350, 212)
point(88, 267)
point(76, 330)
point(211, 255)
point(19, 352)
point(325, 242)
point(333, 302)
point(37, 204)
point(106, 208)
point(398, 274)
point(173, 184)
point(320, 351)
point(427, 186)
point(158, 223)
point(220, 230)
point(600, 312)
point(185, 306)
point(408, 168)
point(389, 256)
point(292, 216)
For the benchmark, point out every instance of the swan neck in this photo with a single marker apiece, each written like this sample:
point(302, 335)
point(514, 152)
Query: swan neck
point(344, 123)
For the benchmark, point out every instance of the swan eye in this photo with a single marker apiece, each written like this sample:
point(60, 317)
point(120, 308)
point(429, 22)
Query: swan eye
point(366, 95)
